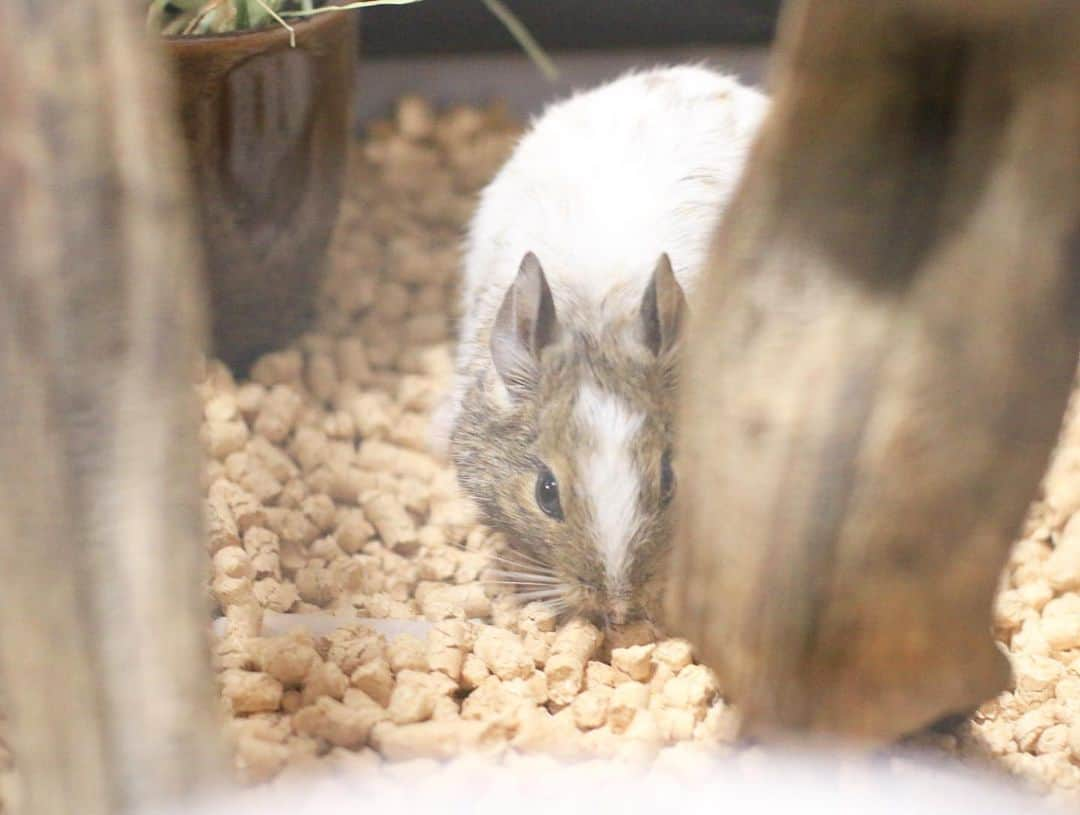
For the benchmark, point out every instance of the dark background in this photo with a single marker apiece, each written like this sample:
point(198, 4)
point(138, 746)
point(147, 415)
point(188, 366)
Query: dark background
point(449, 26)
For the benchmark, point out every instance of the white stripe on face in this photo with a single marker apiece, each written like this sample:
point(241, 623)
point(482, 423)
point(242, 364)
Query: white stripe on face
point(609, 481)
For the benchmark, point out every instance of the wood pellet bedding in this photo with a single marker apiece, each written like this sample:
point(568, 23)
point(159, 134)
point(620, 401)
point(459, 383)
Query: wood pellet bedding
point(321, 496)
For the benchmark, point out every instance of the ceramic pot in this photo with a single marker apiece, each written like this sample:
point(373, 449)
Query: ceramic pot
point(267, 127)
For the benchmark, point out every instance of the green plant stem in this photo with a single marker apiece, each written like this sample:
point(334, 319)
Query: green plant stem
point(526, 40)
point(277, 17)
point(347, 7)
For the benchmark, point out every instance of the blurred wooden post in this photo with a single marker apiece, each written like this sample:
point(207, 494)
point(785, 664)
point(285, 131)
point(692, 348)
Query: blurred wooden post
point(879, 361)
point(103, 620)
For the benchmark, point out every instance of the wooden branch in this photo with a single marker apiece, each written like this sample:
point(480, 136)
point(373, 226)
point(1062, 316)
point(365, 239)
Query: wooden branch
point(103, 651)
point(879, 362)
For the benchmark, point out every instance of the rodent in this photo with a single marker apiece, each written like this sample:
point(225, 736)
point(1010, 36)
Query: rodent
point(577, 267)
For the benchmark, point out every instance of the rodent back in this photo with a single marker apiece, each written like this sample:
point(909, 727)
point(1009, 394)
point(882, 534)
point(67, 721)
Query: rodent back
point(601, 185)
point(608, 180)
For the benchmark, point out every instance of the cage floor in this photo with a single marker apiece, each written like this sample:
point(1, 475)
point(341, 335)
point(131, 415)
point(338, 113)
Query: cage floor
point(360, 518)
point(321, 496)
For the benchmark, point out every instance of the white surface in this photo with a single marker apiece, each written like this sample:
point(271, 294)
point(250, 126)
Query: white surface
point(771, 786)
point(321, 625)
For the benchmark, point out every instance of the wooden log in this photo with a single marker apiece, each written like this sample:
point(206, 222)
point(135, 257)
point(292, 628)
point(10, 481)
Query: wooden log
point(879, 362)
point(103, 615)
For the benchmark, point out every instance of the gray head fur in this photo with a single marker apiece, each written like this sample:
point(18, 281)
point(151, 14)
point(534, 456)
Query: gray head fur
point(523, 413)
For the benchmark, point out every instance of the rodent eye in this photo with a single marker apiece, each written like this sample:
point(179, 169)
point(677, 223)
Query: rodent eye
point(667, 479)
point(547, 494)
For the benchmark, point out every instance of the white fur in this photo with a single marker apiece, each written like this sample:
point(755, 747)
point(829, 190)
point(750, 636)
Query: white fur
point(605, 182)
point(608, 479)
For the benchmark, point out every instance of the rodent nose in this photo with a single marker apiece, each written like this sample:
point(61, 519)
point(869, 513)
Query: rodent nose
point(618, 612)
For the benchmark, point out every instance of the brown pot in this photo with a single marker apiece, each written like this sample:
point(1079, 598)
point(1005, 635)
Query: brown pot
point(267, 127)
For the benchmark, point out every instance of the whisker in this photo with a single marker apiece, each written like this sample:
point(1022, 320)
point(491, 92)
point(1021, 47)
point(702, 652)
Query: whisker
point(515, 554)
point(515, 588)
point(503, 576)
point(505, 553)
point(554, 603)
point(518, 562)
point(496, 576)
point(504, 565)
point(535, 576)
point(541, 594)
point(556, 608)
point(519, 583)
point(462, 547)
point(495, 579)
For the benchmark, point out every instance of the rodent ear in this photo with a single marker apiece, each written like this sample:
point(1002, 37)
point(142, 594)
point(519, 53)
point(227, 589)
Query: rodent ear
point(525, 324)
point(663, 308)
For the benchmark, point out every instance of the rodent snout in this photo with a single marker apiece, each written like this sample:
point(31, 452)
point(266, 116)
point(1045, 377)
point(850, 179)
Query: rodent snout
point(622, 610)
point(618, 612)
point(604, 608)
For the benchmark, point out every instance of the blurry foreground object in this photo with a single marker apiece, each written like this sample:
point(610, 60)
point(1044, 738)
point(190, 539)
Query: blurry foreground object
point(690, 783)
point(105, 666)
point(879, 361)
point(266, 119)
